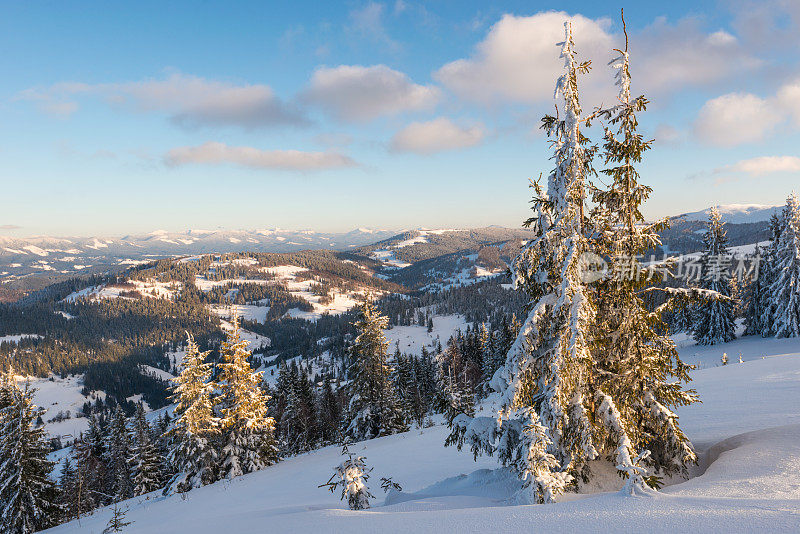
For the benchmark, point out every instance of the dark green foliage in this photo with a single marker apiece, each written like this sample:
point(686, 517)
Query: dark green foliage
point(29, 500)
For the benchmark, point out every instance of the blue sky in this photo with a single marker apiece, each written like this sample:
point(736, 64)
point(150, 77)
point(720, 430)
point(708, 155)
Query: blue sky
point(121, 118)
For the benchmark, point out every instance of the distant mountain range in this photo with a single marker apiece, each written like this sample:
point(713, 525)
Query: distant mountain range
point(736, 213)
point(23, 257)
point(28, 262)
point(745, 224)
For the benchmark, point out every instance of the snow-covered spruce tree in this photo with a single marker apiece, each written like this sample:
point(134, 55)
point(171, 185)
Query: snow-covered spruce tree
point(457, 398)
point(637, 373)
point(91, 470)
point(117, 521)
point(146, 462)
point(403, 377)
point(28, 497)
point(715, 319)
point(784, 293)
point(768, 273)
point(248, 441)
point(330, 414)
point(68, 490)
point(352, 476)
point(299, 420)
point(373, 410)
point(754, 300)
point(192, 453)
point(118, 457)
point(487, 353)
point(8, 387)
point(543, 427)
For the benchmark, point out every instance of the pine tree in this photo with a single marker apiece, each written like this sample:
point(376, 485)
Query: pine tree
point(330, 414)
point(769, 273)
point(8, 387)
point(487, 353)
point(90, 468)
point(118, 455)
point(548, 366)
point(715, 319)
point(248, 441)
point(352, 475)
point(406, 385)
point(785, 289)
point(373, 409)
point(117, 521)
point(28, 497)
point(637, 374)
point(146, 462)
point(458, 398)
point(299, 418)
point(68, 490)
point(591, 372)
point(193, 455)
point(755, 311)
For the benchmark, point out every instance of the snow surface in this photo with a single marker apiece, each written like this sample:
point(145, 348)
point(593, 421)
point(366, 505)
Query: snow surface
point(17, 337)
point(248, 312)
point(412, 338)
point(747, 433)
point(56, 394)
point(255, 341)
point(147, 288)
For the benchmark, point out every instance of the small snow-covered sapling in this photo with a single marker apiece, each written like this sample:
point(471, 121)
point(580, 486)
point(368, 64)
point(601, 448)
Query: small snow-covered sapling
point(352, 476)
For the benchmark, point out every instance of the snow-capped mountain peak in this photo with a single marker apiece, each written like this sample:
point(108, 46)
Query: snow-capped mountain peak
point(736, 213)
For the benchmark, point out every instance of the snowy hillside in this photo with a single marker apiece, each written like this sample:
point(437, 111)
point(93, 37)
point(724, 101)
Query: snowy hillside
point(747, 433)
point(63, 400)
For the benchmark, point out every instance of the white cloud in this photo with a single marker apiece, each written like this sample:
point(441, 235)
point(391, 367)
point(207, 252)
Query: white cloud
point(683, 55)
point(368, 21)
point(764, 165)
point(219, 153)
point(738, 118)
point(668, 134)
point(436, 136)
point(357, 93)
point(767, 24)
point(788, 97)
point(333, 139)
point(188, 100)
point(735, 119)
point(518, 60)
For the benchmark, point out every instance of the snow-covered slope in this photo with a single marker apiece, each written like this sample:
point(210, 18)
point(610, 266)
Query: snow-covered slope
point(63, 400)
point(747, 431)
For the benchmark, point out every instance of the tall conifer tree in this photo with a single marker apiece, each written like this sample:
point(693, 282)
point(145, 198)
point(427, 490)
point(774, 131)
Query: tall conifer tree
point(637, 372)
point(118, 457)
point(374, 410)
point(192, 454)
point(146, 462)
point(248, 441)
point(28, 497)
point(785, 289)
point(715, 319)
